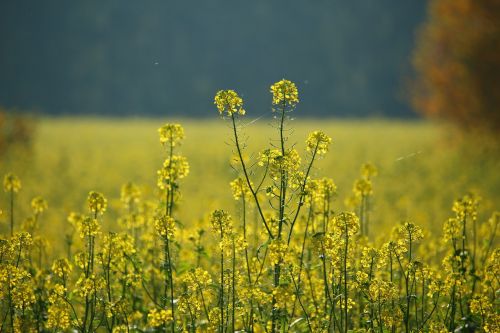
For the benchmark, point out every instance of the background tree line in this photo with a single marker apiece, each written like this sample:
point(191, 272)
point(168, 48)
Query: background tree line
point(126, 57)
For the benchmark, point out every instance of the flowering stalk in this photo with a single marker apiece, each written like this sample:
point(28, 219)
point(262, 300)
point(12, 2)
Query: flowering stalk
point(174, 168)
point(11, 185)
point(247, 178)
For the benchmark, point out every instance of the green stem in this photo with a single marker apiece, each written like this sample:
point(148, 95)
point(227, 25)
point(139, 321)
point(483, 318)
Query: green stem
point(221, 301)
point(345, 279)
point(233, 288)
point(11, 213)
point(247, 178)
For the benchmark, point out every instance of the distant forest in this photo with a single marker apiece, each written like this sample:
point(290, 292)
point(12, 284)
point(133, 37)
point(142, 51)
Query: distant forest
point(168, 58)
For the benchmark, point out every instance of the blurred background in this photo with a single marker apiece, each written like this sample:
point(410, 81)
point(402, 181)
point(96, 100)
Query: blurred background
point(84, 85)
point(164, 58)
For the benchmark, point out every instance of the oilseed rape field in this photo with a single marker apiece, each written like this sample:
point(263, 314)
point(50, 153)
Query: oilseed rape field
point(237, 223)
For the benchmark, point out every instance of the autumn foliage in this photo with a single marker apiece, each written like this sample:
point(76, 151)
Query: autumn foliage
point(14, 130)
point(457, 60)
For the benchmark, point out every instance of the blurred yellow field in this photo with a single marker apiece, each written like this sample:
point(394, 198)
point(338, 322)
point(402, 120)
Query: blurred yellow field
point(420, 171)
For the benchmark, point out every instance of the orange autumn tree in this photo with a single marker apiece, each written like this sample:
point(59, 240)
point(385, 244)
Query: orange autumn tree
point(15, 130)
point(457, 62)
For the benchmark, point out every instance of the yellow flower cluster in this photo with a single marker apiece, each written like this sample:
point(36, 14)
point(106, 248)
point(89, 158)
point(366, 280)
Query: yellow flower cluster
point(382, 291)
point(318, 142)
point(39, 205)
point(284, 295)
point(58, 313)
point(19, 287)
point(363, 187)
point(62, 268)
point(171, 134)
point(321, 190)
point(88, 227)
point(368, 170)
point(410, 232)
point(130, 194)
point(277, 162)
point(222, 223)
point(228, 101)
point(97, 202)
point(11, 183)
point(346, 222)
point(197, 280)
point(158, 318)
point(173, 169)
point(240, 188)
point(285, 93)
point(89, 286)
point(278, 250)
point(165, 226)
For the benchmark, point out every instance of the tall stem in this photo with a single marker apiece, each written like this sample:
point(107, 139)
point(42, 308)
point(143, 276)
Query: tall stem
point(221, 289)
point(247, 178)
point(282, 203)
point(11, 213)
point(233, 288)
point(345, 279)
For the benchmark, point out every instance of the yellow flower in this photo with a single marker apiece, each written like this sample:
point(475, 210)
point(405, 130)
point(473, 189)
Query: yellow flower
point(58, 317)
point(171, 134)
point(346, 222)
point(222, 223)
point(38, 204)
point(229, 101)
point(276, 161)
point(173, 169)
point(285, 92)
point(278, 250)
point(89, 286)
point(368, 170)
point(74, 218)
point(159, 317)
point(165, 226)
point(130, 194)
point(350, 304)
point(283, 295)
point(318, 142)
point(363, 187)
point(410, 231)
point(97, 203)
point(22, 240)
point(11, 183)
point(240, 188)
point(321, 190)
point(62, 268)
point(88, 227)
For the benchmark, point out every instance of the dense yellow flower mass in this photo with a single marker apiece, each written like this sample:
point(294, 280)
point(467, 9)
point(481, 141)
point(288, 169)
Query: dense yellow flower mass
point(285, 92)
point(228, 101)
point(39, 205)
point(97, 203)
point(173, 169)
point(240, 188)
point(171, 134)
point(11, 183)
point(88, 227)
point(285, 258)
point(165, 226)
point(347, 222)
point(130, 194)
point(62, 268)
point(318, 142)
point(158, 318)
